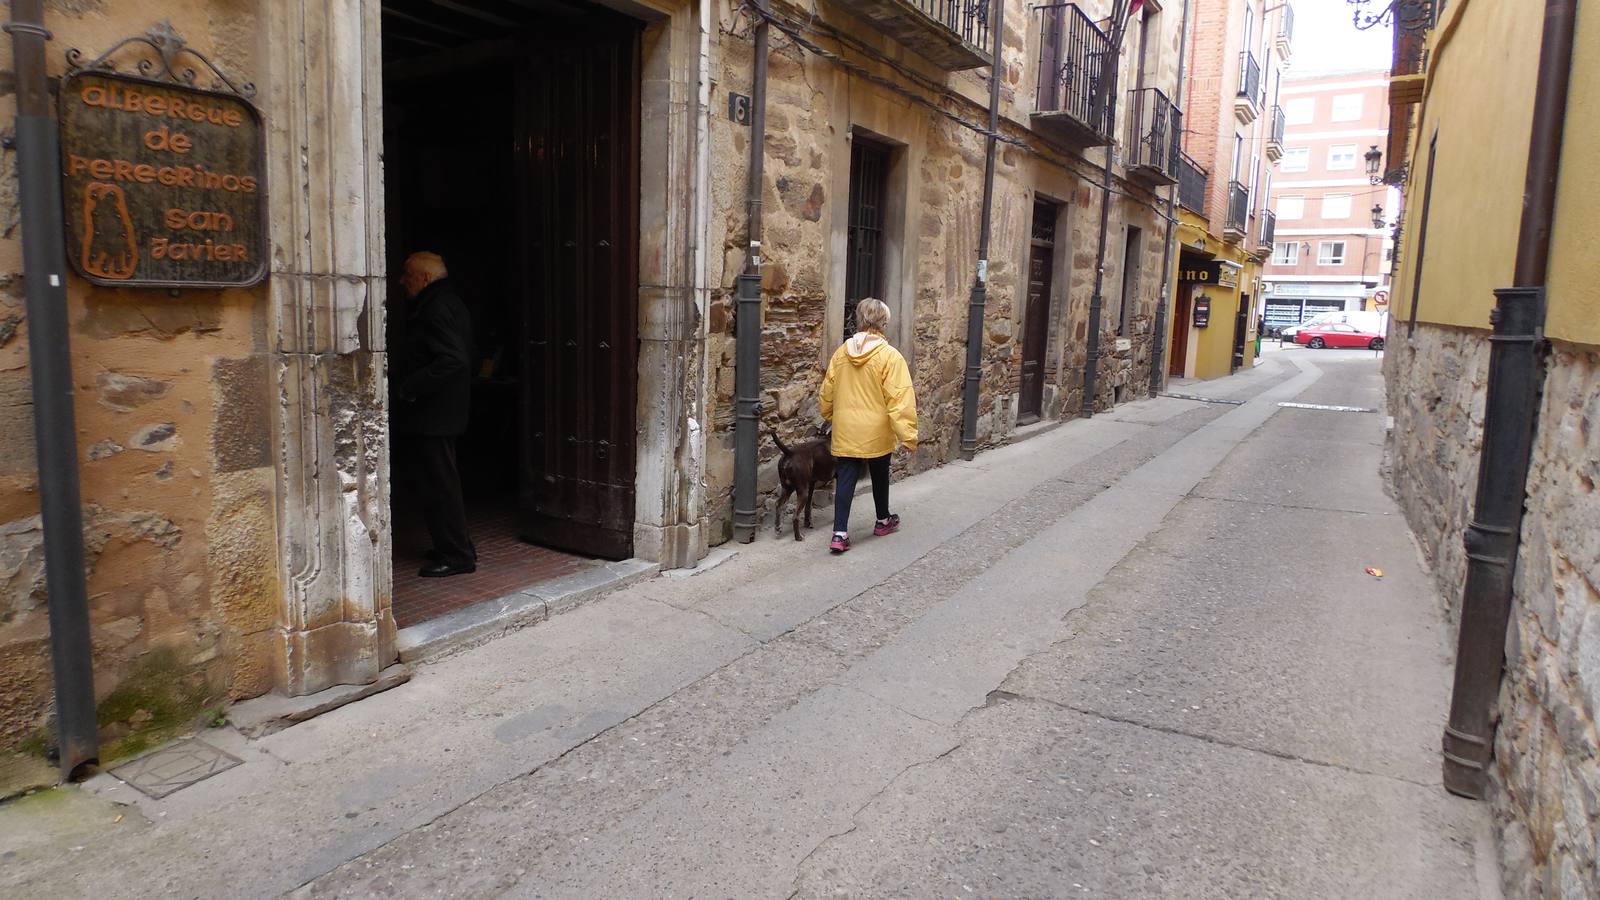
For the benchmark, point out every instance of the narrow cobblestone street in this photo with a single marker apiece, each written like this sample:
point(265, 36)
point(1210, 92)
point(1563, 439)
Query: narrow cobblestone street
point(1134, 656)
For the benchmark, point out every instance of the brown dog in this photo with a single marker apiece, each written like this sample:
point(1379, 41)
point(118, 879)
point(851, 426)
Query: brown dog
point(802, 468)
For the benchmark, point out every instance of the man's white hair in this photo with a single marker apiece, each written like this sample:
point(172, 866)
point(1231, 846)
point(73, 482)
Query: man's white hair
point(428, 263)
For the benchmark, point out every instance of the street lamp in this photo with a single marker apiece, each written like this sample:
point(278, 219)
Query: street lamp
point(1374, 158)
point(1377, 217)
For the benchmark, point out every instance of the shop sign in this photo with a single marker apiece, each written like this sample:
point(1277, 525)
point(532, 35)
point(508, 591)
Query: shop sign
point(1218, 272)
point(163, 182)
point(1202, 311)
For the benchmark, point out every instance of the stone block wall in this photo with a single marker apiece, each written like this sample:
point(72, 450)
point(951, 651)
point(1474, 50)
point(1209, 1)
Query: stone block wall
point(813, 104)
point(1546, 774)
point(172, 395)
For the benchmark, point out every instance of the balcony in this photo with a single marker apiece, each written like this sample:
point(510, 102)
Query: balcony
point(1192, 184)
point(1247, 105)
point(1275, 132)
point(1068, 106)
point(1238, 211)
point(952, 34)
point(1269, 226)
point(1159, 133)
point(1284, 40)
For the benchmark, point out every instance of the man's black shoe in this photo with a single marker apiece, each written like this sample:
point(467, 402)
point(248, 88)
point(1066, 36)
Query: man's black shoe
point(446, 569)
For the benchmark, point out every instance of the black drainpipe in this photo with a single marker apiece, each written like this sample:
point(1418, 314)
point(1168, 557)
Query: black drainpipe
point(1159, 346)
point(747, 314)
point(1108, 77)
point(1516, 378)
point(44, 266)
point(980, 284)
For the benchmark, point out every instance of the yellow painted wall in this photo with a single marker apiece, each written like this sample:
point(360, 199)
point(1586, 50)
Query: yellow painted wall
point(1483, 59)
point(1210, 349)
point(1574, 281)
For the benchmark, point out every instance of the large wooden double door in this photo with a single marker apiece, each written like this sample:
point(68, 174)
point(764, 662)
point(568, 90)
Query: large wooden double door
point(577, 164)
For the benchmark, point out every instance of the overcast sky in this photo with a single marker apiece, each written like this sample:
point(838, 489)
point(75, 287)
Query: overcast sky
point(1325, 40)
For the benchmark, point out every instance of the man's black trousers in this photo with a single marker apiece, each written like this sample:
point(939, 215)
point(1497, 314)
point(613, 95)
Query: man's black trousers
point(431, 468)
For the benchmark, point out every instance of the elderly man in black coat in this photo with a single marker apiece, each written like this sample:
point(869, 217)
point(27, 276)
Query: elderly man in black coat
point(431, 389)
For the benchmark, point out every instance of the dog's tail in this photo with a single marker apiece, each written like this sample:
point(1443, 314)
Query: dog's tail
point(781, 448)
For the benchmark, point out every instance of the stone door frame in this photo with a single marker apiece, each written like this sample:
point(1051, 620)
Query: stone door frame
point(327, 287)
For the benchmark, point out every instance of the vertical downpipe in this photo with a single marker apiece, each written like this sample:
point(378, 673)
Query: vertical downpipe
point(1091, 366)
point(1516, 377)
point(979, 297)
point(747, 315)
point(44, 265)
point(1159, 346)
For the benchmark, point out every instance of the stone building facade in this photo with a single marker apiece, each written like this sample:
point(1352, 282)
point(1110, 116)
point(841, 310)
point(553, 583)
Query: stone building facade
point(1468, 137)
point(859, 85)
point(234, 451)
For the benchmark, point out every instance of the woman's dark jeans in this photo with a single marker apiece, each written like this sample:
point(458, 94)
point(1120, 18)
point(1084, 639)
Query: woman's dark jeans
point(849, 473)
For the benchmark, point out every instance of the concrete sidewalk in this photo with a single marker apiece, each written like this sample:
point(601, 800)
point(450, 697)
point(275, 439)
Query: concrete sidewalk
point(1121, 605)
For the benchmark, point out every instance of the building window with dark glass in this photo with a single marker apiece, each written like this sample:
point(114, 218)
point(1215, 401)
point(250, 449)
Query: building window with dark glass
point(869, 170)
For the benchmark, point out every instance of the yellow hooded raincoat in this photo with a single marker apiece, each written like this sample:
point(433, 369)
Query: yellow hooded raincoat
point(868, 397)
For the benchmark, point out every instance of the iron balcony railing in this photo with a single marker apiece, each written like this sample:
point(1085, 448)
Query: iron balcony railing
point(1159, 132)
point(1238, 206)
point(1249, 77)
point(1072, 53)
point(1286, 25)
point(1278, 126)
point(967, 18)
point(1269, 227)
point(1192, 182)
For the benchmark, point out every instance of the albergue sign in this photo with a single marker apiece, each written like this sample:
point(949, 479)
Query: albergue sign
point(162, 183)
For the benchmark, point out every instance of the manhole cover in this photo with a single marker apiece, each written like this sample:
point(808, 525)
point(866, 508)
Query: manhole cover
point(175, 767)
point(1200, 399)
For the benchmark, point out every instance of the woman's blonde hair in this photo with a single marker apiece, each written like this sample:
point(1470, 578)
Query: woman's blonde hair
point(872, 314)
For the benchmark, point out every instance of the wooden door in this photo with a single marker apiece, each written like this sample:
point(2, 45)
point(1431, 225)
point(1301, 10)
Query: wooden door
point(578, 179)
point(1182, 310)
point(1036, 315)
point(1241, 327)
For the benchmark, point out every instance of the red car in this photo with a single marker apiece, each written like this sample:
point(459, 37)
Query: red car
point(1338, 334)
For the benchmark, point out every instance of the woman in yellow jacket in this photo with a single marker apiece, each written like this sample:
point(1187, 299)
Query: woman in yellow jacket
point(868, 397)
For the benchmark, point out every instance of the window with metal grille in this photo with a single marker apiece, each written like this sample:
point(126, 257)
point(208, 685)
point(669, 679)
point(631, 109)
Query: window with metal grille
point(869, 169)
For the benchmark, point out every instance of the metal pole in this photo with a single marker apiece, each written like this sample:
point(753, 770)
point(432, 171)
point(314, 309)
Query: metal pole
point(50, 365)
point(1159, 347)
point(980, 284)
point(747, 313)
point(1511, 408)
point(1091, 367)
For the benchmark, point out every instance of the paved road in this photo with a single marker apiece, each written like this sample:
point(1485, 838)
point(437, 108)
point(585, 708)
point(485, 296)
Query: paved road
point(1135, 656)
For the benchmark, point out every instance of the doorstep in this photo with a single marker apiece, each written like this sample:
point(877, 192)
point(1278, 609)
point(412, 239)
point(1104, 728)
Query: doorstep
point(475, 624)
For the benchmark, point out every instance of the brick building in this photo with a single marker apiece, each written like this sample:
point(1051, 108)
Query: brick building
point(242, 528)
point(1327, 253)
point(1236, 64)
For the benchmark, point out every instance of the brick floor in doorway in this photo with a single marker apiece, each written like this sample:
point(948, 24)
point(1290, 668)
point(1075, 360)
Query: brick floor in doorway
point(505, 564)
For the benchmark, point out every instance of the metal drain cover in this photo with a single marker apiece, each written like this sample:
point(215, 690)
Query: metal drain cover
point(1326, 408)
point(175, 767)
point(1200, 399)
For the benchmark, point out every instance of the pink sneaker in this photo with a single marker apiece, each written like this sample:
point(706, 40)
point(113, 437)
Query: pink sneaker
point(840, 544)
point(887, 526)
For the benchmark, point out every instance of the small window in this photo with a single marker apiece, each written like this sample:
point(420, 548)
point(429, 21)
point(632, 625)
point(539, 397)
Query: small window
point(1291, 207)
point(1300, 111)
point(1330, 253)
point(1336, 206)
point(1346, 108)
point(1342, 156)
point(1286, 253)
point(1297, 159)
